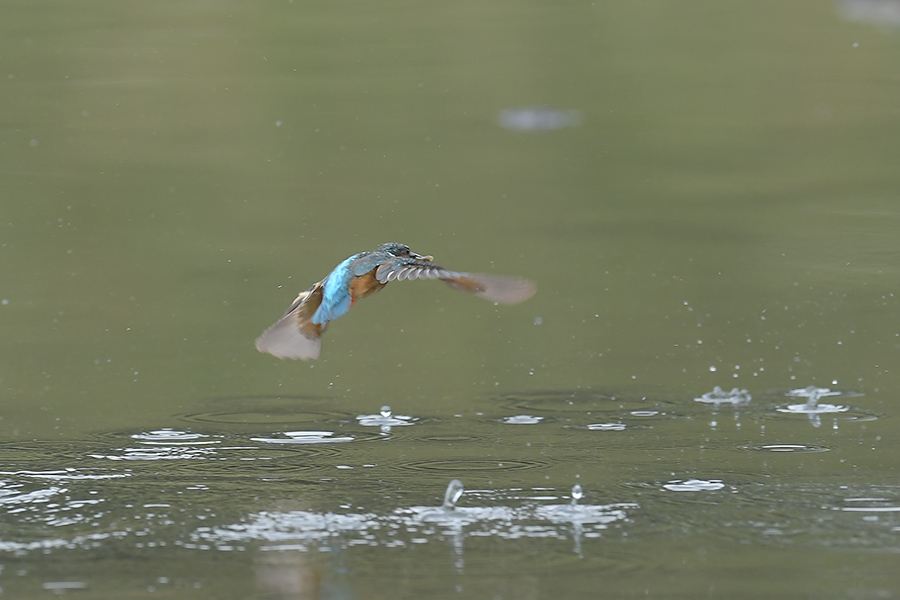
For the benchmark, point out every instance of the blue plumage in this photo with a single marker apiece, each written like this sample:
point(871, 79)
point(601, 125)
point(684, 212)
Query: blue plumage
point(336, 298)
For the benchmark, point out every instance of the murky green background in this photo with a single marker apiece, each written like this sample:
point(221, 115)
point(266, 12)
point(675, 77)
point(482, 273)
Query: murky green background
point(705, 194)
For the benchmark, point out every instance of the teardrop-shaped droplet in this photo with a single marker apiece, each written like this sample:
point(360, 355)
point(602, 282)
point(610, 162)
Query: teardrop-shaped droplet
point(454, 491)
point(386, 411)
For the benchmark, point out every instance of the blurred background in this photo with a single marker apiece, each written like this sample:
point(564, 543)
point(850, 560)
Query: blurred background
point(692, 187)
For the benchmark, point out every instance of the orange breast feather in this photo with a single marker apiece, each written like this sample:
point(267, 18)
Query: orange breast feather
point(364, 285)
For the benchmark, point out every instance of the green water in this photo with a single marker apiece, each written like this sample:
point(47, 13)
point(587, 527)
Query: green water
point(705, 195)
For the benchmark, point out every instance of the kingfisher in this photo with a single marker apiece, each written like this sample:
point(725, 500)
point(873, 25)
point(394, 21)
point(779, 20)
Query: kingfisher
point(298, 333)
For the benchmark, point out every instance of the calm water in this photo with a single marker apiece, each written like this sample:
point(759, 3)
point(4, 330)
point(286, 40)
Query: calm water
point(706, 196)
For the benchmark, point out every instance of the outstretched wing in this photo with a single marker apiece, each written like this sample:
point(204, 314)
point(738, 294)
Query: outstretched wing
point(294, 335)
point(496, 288)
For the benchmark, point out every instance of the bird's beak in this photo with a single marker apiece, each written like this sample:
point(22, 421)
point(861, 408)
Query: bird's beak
point(426, 258)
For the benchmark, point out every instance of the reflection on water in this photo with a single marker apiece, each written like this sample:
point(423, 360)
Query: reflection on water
point(538, 119)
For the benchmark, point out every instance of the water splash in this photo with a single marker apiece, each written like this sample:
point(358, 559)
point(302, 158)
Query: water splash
point(406, 526)
point(582, 520)
point(694, 485)
point(577, 494)
point(736, 397)
point(385, 419)
point(812, 392)
point(454, 491)
point(522, 420)
point(607, 426)
point(813, 408)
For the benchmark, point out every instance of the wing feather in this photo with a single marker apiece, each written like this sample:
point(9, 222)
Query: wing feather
point(496, 288)
point(294, 335)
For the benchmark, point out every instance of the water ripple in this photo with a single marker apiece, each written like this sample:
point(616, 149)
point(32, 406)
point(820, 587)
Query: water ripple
point(270, 411)
point(787, 448)
point(462, 465)
point(522, 420)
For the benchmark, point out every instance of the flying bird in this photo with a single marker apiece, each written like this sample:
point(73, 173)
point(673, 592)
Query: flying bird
point(298, 333)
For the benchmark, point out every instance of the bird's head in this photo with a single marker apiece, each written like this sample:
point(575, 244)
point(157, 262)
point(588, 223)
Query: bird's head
point(401, 251)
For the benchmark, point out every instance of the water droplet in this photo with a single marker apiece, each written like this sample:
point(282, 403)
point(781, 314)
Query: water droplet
point(577, 493)
point(385, 411)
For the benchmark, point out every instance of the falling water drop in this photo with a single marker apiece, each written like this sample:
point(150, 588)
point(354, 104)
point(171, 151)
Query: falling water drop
point(451, 496)
point(577, 493)
point(386, 411)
